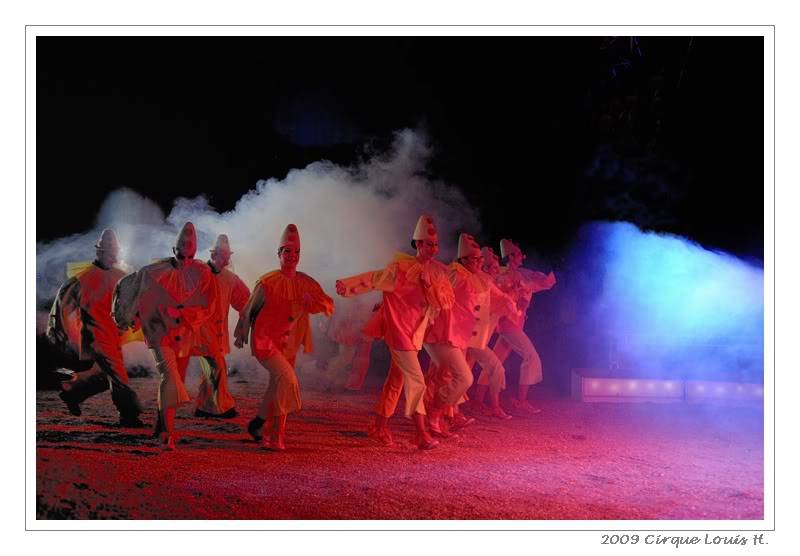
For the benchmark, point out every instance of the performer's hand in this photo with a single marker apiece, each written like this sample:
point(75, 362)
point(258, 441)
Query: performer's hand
point(340, 289)
point(240, 342)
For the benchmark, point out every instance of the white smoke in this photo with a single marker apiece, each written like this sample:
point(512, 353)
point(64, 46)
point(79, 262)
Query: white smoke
point(351, 219)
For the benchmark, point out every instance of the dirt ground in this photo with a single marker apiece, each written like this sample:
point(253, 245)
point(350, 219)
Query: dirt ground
point(572, 461)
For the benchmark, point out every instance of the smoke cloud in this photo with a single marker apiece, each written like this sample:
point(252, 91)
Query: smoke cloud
point(667, 305)
point(351, 219)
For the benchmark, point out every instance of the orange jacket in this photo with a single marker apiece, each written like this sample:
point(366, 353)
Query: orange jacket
point(276, 315)
point(232, 293)
point(468, 323)
point(408, 307)
point(174, 303)
point(81, 312)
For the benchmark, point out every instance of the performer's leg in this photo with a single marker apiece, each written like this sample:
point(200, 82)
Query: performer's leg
point(213, 396)
point(413, 380)
point(453, 390)
point(171, 391)
point(337, 364)
point(530, 371)
point(433, 380)
point(84, 385)
point(390, 393)
point(360, 367)
point(497, 379)
point(502, 349)
point(414, 389)
point(124, 398)
point(282, 397)
point(386, 405)
point(455, 379)
point(283, 394)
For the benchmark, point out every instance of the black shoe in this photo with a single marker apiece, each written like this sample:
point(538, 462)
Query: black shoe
point(254, 428)
point(203, 414)
point(131, 422)
point(230, 414)
point(72, 406)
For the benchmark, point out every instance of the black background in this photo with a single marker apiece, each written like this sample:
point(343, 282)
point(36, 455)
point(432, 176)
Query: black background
point(541, 133)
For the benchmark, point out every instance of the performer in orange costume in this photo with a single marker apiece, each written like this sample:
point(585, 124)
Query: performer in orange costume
point(213, 397)
point(520, 284)
point(490, 268)
point(276, 319)
point(173, 299)
point(346, 329)
point(81, 316)
point(470, 325)
point(414, 290)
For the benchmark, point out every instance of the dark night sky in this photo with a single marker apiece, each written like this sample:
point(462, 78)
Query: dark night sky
point(664, 132)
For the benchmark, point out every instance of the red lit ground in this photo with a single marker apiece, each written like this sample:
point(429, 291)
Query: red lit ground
point(573, 461)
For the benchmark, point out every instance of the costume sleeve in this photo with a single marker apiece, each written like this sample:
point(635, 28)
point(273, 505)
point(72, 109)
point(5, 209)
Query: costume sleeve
point(500, 302)
point(63, 324)
point(381, 280)
point(318, 302)
point(247, 316)
point(239, 295)
point(538, 281)
point(125, 302)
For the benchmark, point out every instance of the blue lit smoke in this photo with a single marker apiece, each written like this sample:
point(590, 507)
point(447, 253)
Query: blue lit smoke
point(669, 306)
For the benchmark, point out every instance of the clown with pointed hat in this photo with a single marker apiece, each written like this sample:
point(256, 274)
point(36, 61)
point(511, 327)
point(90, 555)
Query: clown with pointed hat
point(415, 289)
point(520, 284)
point(81, 318)
point(214, 399)
point(465, 329)
point(275, 320)
point(174, 299)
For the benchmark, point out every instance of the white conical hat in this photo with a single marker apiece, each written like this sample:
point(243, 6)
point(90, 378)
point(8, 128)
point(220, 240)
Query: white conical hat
point(108, 241)
point(222, 244)
point(507, 246)
point(290, 237)
point(425, 228)
point(187, 231)
point(468, 247)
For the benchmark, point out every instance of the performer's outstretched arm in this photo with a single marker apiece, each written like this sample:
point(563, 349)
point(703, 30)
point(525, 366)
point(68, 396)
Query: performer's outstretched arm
point(248, 315)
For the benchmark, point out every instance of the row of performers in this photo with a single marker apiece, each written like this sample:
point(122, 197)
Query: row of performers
point(179, 306)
